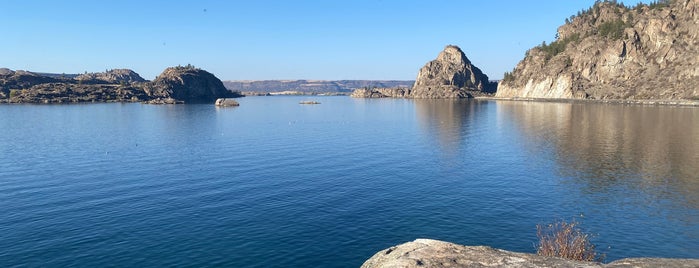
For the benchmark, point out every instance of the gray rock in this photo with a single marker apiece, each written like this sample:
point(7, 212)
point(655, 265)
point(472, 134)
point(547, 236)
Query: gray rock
point(188, 84)
point(114, 76)
point(434, 253)
point(613, 52)
point(450, 76)
point(381, 93)
point(223, 102)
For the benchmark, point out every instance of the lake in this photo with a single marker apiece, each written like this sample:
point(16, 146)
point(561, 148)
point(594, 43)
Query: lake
point(273, 183)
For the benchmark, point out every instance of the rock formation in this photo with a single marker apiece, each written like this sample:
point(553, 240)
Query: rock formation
point(611, 51)
point(381, 93)
point(223, 102)
point(434, 253)
point(175, 85)
point(114, 76)
point(450, 76)
point(188, 84)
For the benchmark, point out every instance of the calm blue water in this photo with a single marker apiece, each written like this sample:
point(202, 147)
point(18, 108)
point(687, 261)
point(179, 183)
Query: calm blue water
point(276, 184)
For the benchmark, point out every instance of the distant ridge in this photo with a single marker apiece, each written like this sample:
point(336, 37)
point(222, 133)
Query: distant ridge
point(311, 86)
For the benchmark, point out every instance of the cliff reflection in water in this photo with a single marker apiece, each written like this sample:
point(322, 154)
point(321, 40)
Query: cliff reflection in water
point(449, 121)
point(653, 150)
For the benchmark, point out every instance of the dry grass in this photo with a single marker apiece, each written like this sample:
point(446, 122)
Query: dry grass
point(566, 240)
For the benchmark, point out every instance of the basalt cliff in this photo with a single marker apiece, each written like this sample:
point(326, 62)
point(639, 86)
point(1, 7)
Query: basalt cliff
point(611, 51)
point(181, 84)
point(450, 76)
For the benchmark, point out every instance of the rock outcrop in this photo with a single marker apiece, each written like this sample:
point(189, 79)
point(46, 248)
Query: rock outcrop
point(188, 84)
point(381, 93)
point(611, 51)
point(450, 76)
point(175, 85)
point(434, 253)
point(114, 76)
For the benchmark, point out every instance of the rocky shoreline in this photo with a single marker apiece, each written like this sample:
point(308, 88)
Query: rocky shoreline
point(694, 103)
point(176, 85)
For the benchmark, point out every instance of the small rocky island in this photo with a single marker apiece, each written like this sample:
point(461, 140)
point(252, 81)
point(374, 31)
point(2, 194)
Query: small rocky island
point(611, 51)
point(450, 76)
point(181, 84)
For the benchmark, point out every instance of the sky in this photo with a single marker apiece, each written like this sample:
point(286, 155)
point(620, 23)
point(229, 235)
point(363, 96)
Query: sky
point(272, 40)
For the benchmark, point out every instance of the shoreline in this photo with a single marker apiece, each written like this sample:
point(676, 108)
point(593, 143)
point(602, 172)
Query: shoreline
point(686, 103)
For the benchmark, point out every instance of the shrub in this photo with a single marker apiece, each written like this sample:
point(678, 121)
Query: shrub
point(613, 29)
point(558, 46)
point(566, 240)
point(14, 93)
point(509, 77)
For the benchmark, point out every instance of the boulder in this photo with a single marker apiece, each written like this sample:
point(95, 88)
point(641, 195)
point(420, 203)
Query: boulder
point(434, 253)
point(224, 102)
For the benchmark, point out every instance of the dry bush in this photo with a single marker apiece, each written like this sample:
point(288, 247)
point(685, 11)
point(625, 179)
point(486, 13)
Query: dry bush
point(566, 240)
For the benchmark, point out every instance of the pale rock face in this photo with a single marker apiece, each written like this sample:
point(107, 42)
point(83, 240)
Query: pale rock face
point(440, 254)
point(655, 58)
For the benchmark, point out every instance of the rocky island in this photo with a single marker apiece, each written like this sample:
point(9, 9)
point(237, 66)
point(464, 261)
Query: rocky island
point(181, 84)
point(611, 51)
point(450, 76)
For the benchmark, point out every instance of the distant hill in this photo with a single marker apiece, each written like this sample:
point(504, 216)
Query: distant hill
point(312, 86)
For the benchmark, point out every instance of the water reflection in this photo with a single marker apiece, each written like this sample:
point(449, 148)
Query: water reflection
point(449, 121)
point(653, 150)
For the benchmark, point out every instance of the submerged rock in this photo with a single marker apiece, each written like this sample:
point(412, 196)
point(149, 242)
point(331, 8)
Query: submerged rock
point(434, 253)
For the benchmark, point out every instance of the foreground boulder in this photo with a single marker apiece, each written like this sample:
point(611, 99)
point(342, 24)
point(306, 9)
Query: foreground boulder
point(610, 51)
point(188, 84)
point(434, 253)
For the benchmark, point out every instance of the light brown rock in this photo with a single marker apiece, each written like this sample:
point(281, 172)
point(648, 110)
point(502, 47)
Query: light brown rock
point(225, 102)
point(655, 57)
point(434, 253)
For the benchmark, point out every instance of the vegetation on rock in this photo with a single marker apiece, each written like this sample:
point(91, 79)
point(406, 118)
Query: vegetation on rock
point(612, 51)
point(564, 239)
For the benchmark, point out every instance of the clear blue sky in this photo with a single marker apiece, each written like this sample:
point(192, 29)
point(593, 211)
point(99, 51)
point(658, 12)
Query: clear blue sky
point(265, 39)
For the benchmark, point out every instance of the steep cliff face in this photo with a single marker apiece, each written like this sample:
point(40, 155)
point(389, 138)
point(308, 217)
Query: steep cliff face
point(188, 84)
point(615, 52)
point(452, 71)
point(450, 76)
